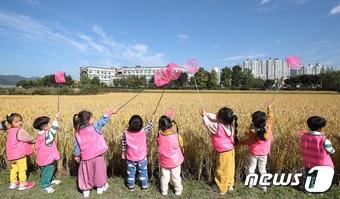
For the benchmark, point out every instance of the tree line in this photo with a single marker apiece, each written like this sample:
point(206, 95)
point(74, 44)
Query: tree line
point(230, 78)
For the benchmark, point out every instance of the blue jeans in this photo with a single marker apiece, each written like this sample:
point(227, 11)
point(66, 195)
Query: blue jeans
point(142, 170)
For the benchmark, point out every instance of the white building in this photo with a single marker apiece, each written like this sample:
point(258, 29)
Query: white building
point(218, 71)
point(267, 69)
point(107, 75)
point(311, 69)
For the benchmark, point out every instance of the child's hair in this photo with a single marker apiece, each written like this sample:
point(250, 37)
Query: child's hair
point(40, 122)
point(226, 116)
point(9, 119)
point(135, 123)
point(81, 119)
point(316, 122)
point(259, 119)
point(165, 123)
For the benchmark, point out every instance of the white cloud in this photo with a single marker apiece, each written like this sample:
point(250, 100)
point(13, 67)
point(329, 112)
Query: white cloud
point(137, 53)
point(335, 10)
point(237, 57)
point(91, 43)
point(183, 36)
point(25, 26)
point(15, 25)
point(265, 2)
point(249, 56)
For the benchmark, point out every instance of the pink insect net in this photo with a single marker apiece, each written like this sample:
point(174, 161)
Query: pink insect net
point(293, 61)
point(192, 66)
point(59, 77)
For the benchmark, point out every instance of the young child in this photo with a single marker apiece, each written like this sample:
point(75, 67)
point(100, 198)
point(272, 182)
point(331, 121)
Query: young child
point(134, 150)
point(46, 151)
point(170, 155)
point(315, 147)
point(18, 146)
point(90, 145)
point(259, 139)
point(223, 129)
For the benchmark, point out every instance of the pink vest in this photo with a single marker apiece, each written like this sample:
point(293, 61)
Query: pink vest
point(221, 141)
point(16, 149)
point(136, 145)
point(313, 152)
point(260, 147)
point(45, 154)
point(169, 151)
point(91, 143)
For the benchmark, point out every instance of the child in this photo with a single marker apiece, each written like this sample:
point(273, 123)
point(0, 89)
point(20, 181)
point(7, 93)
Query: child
point(18, 146)
point(90, 145)
point(223, 129)
point(170, 155)
point(259, 139)
point(46, 151)
point(134, 150)
point(315, 147)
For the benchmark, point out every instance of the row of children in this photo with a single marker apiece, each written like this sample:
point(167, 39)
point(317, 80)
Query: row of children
point(90, 146)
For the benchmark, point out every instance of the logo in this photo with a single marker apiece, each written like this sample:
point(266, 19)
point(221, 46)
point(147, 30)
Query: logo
point(318, 179)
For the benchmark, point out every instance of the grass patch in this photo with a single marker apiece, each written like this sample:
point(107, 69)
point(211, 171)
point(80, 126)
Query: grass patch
point(192, 189)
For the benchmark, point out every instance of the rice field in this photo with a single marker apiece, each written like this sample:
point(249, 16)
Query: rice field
point(290, 113)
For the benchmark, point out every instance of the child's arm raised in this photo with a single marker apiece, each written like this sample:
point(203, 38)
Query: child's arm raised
point(149, 125)
point(103, 120)
point(209, 121)
point(50, 135)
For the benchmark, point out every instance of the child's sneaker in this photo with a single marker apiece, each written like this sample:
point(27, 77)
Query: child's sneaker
point(49, 189)
point(164, 193)
point(106, 186)
point(178, 193)
point(26, 185)
point(230, 189)
point(131, 188)
point(100, 190)
point(145, 188)
point(86, 194)
point(55, 182)
point(264, 189)
point(13, 186)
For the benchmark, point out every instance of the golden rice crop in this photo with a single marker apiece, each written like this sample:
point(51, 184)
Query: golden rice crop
point(290, 113)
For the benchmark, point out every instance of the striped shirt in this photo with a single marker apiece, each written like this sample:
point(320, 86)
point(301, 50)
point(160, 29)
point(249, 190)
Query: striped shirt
point(51, 133)
point(327, 145)
point(148, 129)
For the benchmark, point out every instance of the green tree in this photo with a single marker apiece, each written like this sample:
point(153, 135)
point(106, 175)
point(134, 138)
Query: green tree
point(247, 79)
point(213, 80)
point(236, 77)
point(330, 80)
point(202, 78)
point(226, 77)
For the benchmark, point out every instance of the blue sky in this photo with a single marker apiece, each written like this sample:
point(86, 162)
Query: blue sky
point(39, 37)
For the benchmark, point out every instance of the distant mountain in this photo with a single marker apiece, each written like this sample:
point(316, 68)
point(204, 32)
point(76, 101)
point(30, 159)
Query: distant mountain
point(10, 80)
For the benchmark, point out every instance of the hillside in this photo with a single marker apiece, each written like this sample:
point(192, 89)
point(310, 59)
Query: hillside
point(13, 79)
